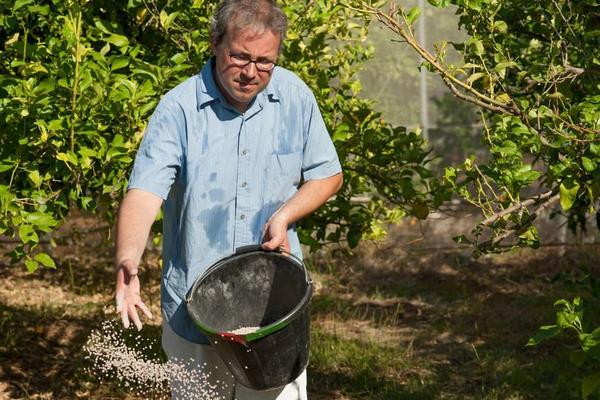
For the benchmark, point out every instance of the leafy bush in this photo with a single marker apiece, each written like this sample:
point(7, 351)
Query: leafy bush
point(532, 68)
point(79, 79)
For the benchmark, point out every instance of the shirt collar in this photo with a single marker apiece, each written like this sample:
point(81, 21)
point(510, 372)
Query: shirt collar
point(207, 90)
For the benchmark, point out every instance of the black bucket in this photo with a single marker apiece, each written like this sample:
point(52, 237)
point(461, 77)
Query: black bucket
point(256, 288)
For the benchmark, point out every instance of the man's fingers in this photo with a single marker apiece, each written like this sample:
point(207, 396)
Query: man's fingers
point(119, 300)
point(125, 318)
point(119, 296)
point(270, 245)
point(135, 318)
point(145, 310)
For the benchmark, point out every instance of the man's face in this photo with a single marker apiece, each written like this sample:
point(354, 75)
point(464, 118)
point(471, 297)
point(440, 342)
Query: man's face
point(238, 84)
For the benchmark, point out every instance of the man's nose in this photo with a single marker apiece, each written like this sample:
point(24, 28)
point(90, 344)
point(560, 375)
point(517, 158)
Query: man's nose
point(249, 71)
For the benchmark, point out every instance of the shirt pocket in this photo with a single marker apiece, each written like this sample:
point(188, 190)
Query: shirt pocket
point(282, 176)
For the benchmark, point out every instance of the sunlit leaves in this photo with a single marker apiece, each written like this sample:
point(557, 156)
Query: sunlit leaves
point(570, 317)
point(76, 96)
point(568, 193)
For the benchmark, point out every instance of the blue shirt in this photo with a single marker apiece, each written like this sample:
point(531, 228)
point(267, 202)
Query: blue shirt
point(222, 173)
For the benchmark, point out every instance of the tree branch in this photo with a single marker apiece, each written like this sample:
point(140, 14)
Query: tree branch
point(518, 206)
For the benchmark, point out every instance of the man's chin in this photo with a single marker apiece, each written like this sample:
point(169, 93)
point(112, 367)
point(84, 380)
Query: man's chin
point(245, 99)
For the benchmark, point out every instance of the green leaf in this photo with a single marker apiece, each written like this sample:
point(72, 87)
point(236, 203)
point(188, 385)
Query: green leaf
point(590, 384)
point(31, 265)
point(413, 14)
point(27, 234)
point(588, 164)
point(577, 357)
point(45, 260)
point(20, 3)
point(568, 193)
point(67, 157)
point(34, 177)
point(439, 3)
point(531, 236)
point(6, 165)
point(474, 4)
point(500, 26)
point(590, 341)
point(100, 25)
point(353, 238)
point(40, 220)
point(420, 210)
point(475, 77)
point(119, 62)
point(544, 333)
point(118, 40)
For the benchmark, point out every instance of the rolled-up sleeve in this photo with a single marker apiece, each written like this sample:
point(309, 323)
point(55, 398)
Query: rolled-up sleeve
point(159, 157)
point(320, 157)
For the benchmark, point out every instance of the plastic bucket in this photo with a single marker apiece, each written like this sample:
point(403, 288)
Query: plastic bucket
point(256, 288)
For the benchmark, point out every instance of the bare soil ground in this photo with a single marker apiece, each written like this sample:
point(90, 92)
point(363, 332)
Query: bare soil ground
point(433, 321)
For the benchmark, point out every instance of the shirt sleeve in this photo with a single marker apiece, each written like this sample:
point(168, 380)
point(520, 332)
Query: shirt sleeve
point(320, 157)
point(160, 155)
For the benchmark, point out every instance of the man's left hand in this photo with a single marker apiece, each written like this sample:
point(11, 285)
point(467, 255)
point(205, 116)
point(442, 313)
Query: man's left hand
point(275, 235)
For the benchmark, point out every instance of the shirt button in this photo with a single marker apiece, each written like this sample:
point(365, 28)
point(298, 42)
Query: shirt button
point(243, 216)
point(244, 152)
point(244, 184)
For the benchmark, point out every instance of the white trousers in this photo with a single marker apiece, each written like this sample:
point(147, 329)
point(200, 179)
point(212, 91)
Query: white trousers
point(205, 376)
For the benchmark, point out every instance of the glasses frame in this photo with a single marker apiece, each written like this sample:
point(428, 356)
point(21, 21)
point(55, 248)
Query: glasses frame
point(245, 60)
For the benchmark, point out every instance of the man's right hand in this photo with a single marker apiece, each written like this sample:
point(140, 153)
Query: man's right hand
point(127, 294)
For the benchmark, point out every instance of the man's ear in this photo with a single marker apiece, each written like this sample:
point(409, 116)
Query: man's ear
point(213, 45)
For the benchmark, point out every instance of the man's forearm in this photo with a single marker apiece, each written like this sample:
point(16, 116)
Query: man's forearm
point(311, 195)
point(136, 215)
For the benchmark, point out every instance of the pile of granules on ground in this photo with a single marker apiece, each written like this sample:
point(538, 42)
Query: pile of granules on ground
point(147, 376)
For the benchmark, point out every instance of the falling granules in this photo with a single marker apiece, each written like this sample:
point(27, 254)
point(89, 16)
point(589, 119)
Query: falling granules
point(148, 377)
point(245, 330)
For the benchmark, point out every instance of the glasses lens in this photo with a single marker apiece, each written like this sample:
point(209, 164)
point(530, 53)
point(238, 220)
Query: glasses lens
point(265, 66)
point(241, 60)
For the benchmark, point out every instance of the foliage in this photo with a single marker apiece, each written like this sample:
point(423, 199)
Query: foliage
point(532, 68)
point(569, 317)
point(79, 79)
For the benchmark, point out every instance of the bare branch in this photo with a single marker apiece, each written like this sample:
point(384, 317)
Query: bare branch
point(518, 206)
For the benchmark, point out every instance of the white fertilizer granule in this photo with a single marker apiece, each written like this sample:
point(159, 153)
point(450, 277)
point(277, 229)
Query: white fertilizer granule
point(148, 377)
point(245, 330)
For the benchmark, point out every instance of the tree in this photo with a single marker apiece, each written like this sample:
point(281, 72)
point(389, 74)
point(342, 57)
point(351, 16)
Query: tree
point(79, 79)
point(533, 69)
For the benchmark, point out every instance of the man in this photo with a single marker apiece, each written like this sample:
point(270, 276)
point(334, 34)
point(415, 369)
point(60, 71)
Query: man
point(224, 154)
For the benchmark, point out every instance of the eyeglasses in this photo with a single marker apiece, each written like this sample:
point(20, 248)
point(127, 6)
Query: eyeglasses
point(241, 60)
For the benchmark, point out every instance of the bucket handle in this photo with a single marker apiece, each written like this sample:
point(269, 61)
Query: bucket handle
point(257, 247)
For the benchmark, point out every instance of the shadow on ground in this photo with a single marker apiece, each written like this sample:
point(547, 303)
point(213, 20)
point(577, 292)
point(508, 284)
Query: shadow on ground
point(391, 321)
point(463, 322)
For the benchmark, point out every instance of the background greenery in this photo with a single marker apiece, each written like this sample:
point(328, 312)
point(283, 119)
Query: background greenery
point(79, 79)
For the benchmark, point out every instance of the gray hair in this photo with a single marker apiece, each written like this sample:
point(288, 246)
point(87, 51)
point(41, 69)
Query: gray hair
point(257, 15)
